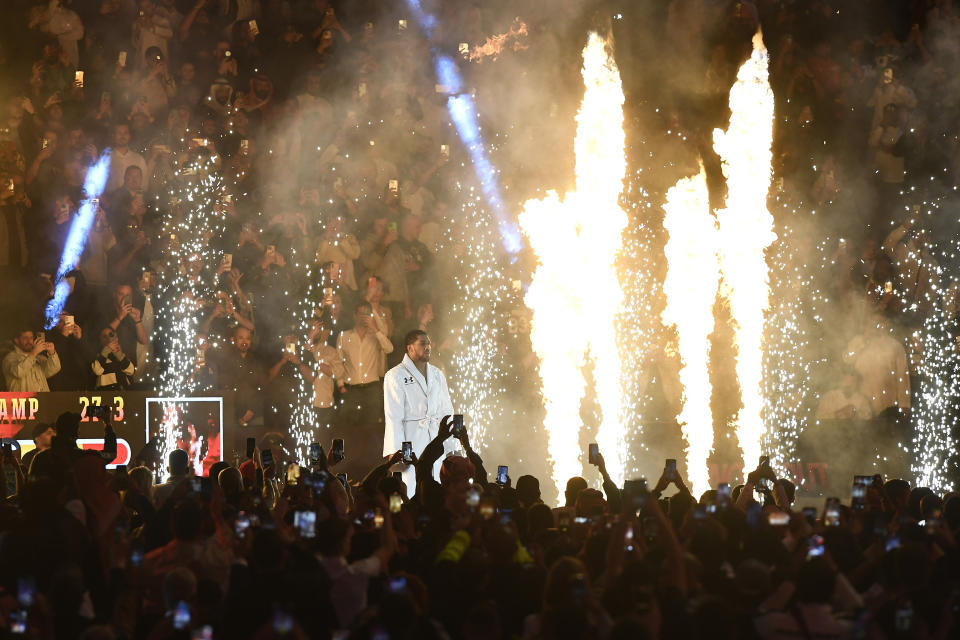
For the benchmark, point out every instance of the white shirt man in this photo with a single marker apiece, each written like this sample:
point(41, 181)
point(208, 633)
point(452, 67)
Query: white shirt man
point(123, 157)
point(415, 400)
point(364, 348)
point(881, 362)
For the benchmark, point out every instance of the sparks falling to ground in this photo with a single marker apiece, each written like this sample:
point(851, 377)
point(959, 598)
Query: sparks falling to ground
point(194, 217)
point(690, 288)
point(745, 232)
point(575, 308)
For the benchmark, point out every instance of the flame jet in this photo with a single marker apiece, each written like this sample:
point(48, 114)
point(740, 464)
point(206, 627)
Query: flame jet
point(575, 294)
point(745, 232)
point(690, 288)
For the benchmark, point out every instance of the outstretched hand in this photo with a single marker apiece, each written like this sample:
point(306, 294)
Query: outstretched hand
point(444, 430)
point(397, 458)
point(600, 464)
point(762, 471)
point(668, 478)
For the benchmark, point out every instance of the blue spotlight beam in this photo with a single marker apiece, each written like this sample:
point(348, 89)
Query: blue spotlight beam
point(93, 186)
point(463, 112)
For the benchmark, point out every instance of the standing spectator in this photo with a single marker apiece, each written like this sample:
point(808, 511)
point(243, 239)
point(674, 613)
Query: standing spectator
point(363, 351)
point(401, 269)
point(67, 338)
point(94, 263)
point(908, 248)
point(146, 303)
point(42, 439)
point(155, 82)
point(376, 242)
point(881, 362)
point(46, 169)
point(188, 88)
point(845, 402)
point(121, 157)
point(283, 380)
point(112, 367)
point(151, 29)
point(130, 256)
point(178, 465)
point(890, 92)
point(31, 362)
point(341, 249)
point(349, 580)
point(238, 369)
point(65, 25)
point(374, 295)
point(123, 318)
point(888, 144)
point(119, 200)
point(328, 371)
point(14, 210)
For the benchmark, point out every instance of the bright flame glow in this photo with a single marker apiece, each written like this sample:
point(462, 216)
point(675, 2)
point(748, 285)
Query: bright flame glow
point(494, 44)
point(575, 294)
point(746, 230)
point(690, 288)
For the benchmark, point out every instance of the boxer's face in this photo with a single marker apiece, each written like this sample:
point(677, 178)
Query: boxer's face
point(419, 351)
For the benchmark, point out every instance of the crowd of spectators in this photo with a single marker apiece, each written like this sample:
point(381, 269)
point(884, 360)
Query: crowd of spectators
point(270, 549)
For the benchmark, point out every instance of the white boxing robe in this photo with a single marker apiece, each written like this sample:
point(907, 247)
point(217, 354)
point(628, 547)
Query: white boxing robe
point(413, 408)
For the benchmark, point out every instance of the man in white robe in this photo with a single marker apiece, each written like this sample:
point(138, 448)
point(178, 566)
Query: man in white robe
point(415, 400)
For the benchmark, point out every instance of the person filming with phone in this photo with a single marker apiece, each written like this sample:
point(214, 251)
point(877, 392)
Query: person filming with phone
point(31, 362)
point(112, 367)
point(123, 317)
point(415, 400)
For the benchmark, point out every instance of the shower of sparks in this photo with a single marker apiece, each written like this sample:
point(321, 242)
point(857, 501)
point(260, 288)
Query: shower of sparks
point(936, 363)
point(304, 428)
point(641, 332)
point(476, 377)
point(575, 310)
point(189, 277)
point(789, 365)
point(935, 407)
point(746, 230)
point(690, 288)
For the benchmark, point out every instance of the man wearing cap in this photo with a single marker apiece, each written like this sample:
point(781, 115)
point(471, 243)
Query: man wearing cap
point(415, 399)
point(42, 439)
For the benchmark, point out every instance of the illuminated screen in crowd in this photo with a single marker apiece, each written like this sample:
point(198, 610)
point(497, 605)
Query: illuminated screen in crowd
point(194, 424)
